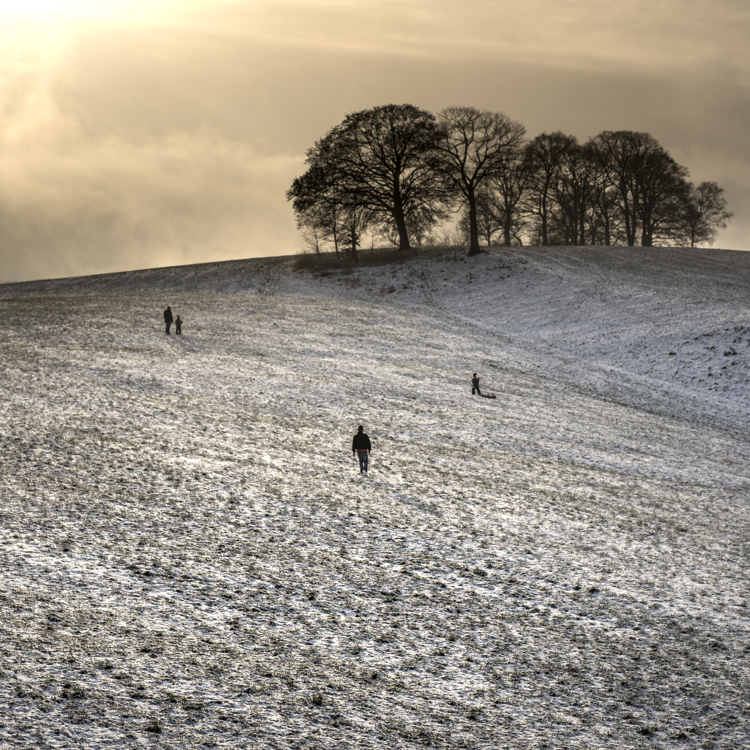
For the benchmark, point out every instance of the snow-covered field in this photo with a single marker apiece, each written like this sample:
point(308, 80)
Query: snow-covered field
point(189, 557)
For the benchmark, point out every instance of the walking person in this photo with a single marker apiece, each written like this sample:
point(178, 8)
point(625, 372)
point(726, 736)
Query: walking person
point(168, 318)
point(475, 385)
point(178, 326)
point(361, 448)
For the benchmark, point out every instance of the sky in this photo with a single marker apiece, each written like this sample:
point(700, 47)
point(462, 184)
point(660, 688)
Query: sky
point(139, 134)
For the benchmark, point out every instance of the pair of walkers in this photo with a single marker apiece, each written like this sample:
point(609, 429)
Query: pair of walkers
point(168, 320)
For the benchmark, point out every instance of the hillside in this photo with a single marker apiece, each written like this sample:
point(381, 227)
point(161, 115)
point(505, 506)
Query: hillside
point(190, 558)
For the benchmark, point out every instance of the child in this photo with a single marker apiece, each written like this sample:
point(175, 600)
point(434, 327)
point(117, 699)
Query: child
point(178, 326)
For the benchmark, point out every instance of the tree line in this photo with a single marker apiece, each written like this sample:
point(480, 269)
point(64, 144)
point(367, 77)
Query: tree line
point(397, 171)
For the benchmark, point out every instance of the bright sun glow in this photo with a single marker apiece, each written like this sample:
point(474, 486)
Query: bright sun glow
point(64, 12)
point(46, 9)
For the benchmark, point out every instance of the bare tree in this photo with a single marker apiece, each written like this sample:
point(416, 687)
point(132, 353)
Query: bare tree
point(605, 218)
point(377, 163)
point(651, 186)
point(663, 194)
point(317, 198)
point(543, 161)
point(498, 220)
point(706, 213)
point(619, 153)
point(508, 191)
point(474, 146)
point(311, 239)
point(574, 191)
point(489, 220)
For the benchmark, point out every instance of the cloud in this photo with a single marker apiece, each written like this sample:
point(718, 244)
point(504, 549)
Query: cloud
point(114, 205)
point(102, 170)
point(571, 33)
point(73, 204)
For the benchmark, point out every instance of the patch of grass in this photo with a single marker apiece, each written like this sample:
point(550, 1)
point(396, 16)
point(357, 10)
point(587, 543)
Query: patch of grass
point(322, 264)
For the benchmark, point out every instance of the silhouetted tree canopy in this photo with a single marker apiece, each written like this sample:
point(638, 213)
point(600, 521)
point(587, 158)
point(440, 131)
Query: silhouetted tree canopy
point(652, 189)
point(398, 171)
point(706, 213)
point(376, 163)
point(474, 146)
point(543, 158)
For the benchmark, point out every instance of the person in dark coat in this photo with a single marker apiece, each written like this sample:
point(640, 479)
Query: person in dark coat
point(361, 448)
point(475, 385)
point(178, 325)
point(168, 318)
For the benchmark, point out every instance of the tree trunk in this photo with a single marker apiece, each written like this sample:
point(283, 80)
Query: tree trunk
point(354, 242)
point(647, 228)
point(403, 236)
point(473, 228)
point(507, 225)
point(400, 219)
point(629, 229)
point(507, 221)
point(629, 218)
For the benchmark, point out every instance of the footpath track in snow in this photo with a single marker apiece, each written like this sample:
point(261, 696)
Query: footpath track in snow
point(189, 557)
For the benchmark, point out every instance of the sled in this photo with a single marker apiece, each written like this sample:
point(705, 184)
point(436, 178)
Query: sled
point(488, 395)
